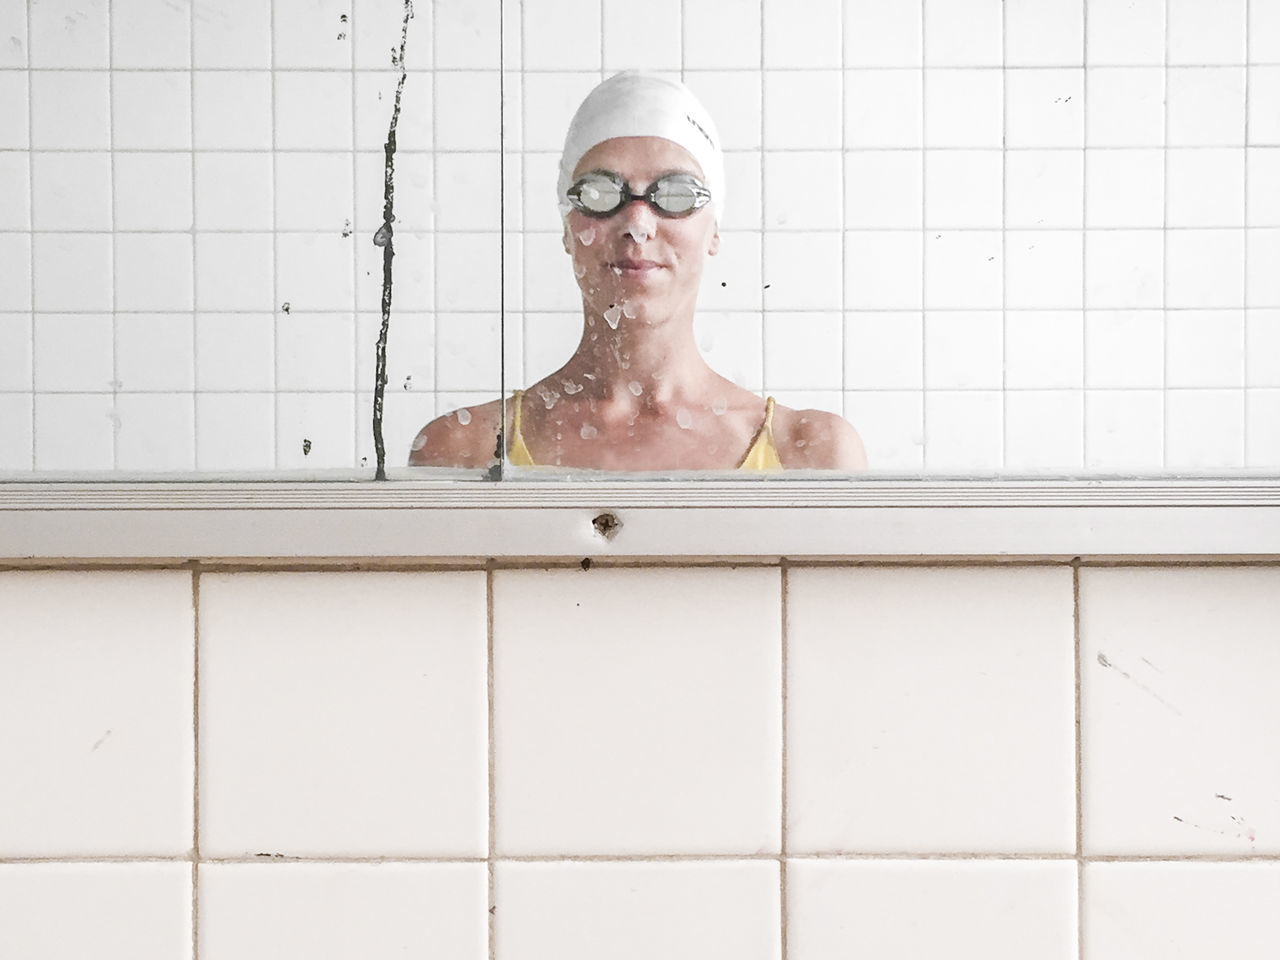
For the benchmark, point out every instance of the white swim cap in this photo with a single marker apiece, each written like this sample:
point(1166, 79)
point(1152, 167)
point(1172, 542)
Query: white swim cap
point(635, 104)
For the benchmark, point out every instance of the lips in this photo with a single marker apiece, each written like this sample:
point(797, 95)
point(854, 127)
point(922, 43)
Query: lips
point(635, 267)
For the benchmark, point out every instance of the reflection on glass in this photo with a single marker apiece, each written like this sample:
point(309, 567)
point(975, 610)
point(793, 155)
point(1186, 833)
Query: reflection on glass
point(641, 191)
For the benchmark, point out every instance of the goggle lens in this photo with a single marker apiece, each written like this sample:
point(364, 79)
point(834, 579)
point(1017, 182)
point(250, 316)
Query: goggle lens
point(678, 195)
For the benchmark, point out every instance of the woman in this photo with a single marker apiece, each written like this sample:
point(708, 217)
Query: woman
point(641, 191)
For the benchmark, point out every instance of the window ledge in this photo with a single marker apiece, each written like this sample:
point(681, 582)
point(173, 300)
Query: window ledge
point(654, 519)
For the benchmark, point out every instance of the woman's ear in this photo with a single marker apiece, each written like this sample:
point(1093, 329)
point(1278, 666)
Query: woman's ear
point(714, 246)
point(568, 248)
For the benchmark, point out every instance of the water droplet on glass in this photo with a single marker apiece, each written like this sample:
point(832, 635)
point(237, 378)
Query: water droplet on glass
point(588, 376)
point(579, 270)
point(635, 387)
point(638, 234)
point(549, 397)
point(800, 443)
point(464, 416)
point(719, 405)
point(570, 387)
point(684, 418)
point(617, 271)
point(418, 443)
point(383, 236)
point(628, 310)
point(587, 237)
point(588, 432)
point(612, 316)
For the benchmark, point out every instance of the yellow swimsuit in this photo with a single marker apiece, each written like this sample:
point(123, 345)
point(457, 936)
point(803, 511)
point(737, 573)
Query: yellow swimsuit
point(762, 454)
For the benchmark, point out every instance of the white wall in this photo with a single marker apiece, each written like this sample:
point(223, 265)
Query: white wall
point(1035, 236)
point(892, 761)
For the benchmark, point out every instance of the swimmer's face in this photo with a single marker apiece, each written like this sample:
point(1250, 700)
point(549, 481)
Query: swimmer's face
point(636, 258)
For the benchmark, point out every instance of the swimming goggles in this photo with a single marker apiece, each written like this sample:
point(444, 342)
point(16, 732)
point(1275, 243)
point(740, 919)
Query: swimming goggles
point(600, 194)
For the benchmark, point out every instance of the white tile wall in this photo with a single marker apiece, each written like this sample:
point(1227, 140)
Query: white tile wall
point(704, 761)
point(219, 160)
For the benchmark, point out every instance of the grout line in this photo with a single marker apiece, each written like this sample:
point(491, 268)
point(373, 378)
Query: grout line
point(492, 771)
point(1084, 236)
point(785, 585)
point(924, 256)
point(1244, 253)
point(433, 28)
point(195, 764)
point(845, 386)
point(353, 18)
point(1079, 757)
point(195, 273)
point(1004, 243)
point(31, 242)
point(275, 260)
point(1164, 255)
point(764, 214)
point(115, 323)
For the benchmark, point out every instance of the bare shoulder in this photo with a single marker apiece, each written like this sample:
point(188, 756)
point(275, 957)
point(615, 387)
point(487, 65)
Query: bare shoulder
point(467, 437)
point(817, 440)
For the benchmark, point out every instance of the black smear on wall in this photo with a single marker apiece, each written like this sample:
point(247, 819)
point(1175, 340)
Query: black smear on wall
point(383, 239)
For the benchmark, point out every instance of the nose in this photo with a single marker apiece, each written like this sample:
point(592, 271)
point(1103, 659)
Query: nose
point(637, 217)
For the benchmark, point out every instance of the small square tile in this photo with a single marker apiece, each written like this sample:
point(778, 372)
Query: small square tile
point(312, 33)
point(804, 41)
point(150, 36)
point(1205, 106)
point(874, 909)
point(550, 100)
point(232, 110)
point(153, 191)
point(1124, 348)
point(731, 280)
point(883, 188)
point(1044, 108)
point(155, 432)
point(377, 25)
point(1204, 431)
point(235, 432)
point(1207, 35)
point(15, 115)
point(1039, 34)
point(15, 279)
point(891, 425)
point(1264, 30)
point(154, 271)
point(1262, 357)
point(1129, 33)
point(963, 33)
point(1043, 349)
point(640, 43)
point(804, 350)
point(1205, 348)
point(69, 36)
point(963, 350)
point(1044, 432)
point(1172, 725)
point(17, 413)
point(375, 96)
point(13, 26)
point(963, 108)
point(1262, 283)
point(964, 432)
point(314, 191)
point(70, 110)
point(730, 342)
point(313, 110)
point(1125, 107)
point(1044, 269)
point(1263, 188)
point(788, 201)
point(817, 126)
point(468, 272)
point(73, 352)
point(467, 198)
point(882, 33)
point(803, 270)
point(1124, 268)
point(883, 108)
point(963, 188)
point(680, 911)
point(468, 111)
point(1124, 431)
point(154, 351)
point(1179, 909)
point(544, 46)
point(138, 910)
point(315, 431)
point(466, 36)
point(884, 351)
point(963, 270)
point(883, 270)
point(709, 46)
point(234, 271)
point(327, 911)
point(15, 201)
point(1043, 188)
point(552, 671)
point(311, 745)
point(468, 351)
point(1206, 187)
point(152, 110)
point(315, 271)
point(100, 768)
point(1262, 429)
point(234, 34)
point(744, 209)
point(897, 678)
point(233, 191)
point(72, 271)
point(74, 432)
point(71, 191)
point(234, 351)
point(1206, 268)
point(15, 351)
point(315, 351)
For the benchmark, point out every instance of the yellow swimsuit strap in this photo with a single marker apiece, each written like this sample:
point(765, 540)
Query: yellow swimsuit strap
point(763, 452)
point(517, 452)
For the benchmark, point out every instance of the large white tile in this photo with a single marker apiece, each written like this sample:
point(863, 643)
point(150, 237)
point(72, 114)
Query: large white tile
point(1180, 911)
point(665, 719)
point(342, 713)
point(330, 911)
point(1179, 670)
point(635, 911)
point(96, 673)
point(898, 710)
point(907, 910)
point(67, 911)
